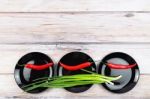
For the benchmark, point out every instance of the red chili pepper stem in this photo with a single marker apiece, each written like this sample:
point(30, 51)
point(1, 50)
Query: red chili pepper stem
point(21, 65)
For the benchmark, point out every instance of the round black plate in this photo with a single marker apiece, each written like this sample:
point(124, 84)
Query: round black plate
point(75, 58)
point(25, 76)
point(129, 76)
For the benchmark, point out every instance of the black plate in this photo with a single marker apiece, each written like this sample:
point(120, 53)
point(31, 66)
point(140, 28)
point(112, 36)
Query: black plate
point(25, 76)
point(129, 76)
point(75, 58)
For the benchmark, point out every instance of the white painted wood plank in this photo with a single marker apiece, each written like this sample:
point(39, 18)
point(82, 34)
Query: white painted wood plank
point(73, 5)
point(41, 28)
point(11, 90)
point(10, 54)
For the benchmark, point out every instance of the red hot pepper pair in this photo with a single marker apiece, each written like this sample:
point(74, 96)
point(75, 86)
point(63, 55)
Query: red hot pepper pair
point(87, 64)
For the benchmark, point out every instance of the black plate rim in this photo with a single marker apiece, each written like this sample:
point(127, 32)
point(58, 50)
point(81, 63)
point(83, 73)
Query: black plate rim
point(57, 69)
point(53, 74)
point(99, 70)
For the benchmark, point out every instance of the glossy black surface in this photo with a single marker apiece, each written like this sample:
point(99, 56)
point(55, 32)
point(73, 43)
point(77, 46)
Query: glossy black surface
point(76, 58)
point(129, 76)
point(25, 76)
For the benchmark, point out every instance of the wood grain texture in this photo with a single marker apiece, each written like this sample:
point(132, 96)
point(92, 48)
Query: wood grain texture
point(51, 28)
point(57, 27)
point(73, 5)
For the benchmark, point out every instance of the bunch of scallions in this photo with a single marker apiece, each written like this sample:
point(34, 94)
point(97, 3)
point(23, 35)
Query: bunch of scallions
point(70, 81)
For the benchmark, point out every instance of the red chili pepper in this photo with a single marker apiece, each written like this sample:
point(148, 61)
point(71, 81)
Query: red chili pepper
point(119, 66)
point(76, 67)
point(38, 67)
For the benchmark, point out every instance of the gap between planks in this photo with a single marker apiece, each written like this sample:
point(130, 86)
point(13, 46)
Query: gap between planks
point(77, 12)
point(76, 43)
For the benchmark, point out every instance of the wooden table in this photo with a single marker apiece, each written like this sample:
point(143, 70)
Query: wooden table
point(56, 27)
